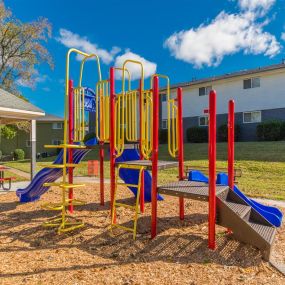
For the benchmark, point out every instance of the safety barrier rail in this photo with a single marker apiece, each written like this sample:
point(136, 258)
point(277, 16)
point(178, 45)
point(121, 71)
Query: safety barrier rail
point(79, 113)
point(126, 107)
point(146, 125)
point(102, 122)
point(120, 124)
point(172, 114)
point(131, 105)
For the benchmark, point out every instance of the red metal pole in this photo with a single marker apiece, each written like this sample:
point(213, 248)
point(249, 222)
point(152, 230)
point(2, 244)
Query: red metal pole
point(231, 143)
point(101, 154)
point(180, 147)
point(70, 141)
point(154, 156)
point(142, 193)
point(141, 121)
point(140, 149)
point(112, 135)
point(212, 170)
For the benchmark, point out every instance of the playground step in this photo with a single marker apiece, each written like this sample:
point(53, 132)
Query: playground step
point(267, 232)
point(134, 208)
point(60, 165)
point(147, 164)
point(189, 189)
point(241, 210)
point(63, 185)
point(246, 223)
point(75, 146)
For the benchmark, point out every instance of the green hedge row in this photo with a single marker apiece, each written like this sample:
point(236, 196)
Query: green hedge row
point(197, 134)
point(200, 134)
point(223, 133)
point(271, 131)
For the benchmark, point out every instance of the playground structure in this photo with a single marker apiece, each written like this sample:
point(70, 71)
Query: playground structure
point(131, 116)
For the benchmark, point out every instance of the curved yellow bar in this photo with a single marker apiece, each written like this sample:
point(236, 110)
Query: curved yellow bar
point(83, 63)
point(129, 76)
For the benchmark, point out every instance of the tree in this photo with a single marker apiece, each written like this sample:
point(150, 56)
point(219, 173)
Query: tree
point(21, 50)
point(8, 131)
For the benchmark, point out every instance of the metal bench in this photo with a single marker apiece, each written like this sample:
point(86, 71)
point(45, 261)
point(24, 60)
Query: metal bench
point(3, 180)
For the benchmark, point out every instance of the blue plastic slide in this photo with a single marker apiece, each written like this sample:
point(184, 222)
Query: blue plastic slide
point(271, 214)
point(35, 189)
point(131, 176)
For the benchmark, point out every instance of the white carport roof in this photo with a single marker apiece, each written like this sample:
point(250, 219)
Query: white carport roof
point(14, 108)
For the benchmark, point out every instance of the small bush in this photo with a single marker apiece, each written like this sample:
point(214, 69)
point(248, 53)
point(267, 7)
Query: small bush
point(163, 136)
point(19, 154)
point(271, 131)
point(197, 134)
point(223, 133)
point(1, 154)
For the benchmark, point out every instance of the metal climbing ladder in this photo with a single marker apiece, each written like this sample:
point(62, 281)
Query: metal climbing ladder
point(132, 207)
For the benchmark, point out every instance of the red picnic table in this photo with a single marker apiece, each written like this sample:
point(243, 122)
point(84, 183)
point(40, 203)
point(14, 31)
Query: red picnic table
point(4, 179)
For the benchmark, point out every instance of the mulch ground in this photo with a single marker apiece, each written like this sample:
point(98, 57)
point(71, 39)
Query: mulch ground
point(31, 254)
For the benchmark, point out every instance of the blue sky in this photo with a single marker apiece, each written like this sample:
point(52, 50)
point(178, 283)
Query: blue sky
point(184, 39)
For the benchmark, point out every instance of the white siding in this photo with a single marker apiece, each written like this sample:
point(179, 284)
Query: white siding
point(270, 95)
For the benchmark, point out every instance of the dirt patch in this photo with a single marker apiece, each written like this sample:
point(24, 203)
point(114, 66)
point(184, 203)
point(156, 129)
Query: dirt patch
point(31, 254)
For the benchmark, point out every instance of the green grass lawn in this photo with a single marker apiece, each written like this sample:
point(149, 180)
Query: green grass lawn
point(262, 165)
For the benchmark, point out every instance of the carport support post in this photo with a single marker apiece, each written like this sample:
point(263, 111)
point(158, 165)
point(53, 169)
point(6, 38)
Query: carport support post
point(33, 137)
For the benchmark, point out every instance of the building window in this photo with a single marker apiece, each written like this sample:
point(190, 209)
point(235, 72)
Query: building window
point(163, 97)
point(203, 121)
point(251, 83)
point(164, 124)
point(28, 143)
point(57, 126)
point(56, 142)
point(252, 117)
point(204, 90)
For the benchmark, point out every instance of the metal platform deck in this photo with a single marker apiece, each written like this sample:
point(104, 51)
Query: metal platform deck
point(162, 164)
point(189, 189)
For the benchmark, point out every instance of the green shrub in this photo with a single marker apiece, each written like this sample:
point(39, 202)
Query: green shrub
point(163, 136)
point(223, 133)
point(1, 154)
point(19, 154)
point(270, 131)
point(197, 134)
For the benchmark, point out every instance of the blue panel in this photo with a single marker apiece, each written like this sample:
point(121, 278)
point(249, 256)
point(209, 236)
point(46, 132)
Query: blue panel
point(131, 176)
point(89, 100)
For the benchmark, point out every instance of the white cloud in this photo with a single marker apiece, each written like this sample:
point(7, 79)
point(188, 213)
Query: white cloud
point(72, 40)
point(36, 78)
point(135, 70)
point(257, 6)
point(46, 89)
point(226, 34)
point(283, 36)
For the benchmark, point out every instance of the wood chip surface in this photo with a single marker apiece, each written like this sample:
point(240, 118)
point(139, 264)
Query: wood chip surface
point(31, 254)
